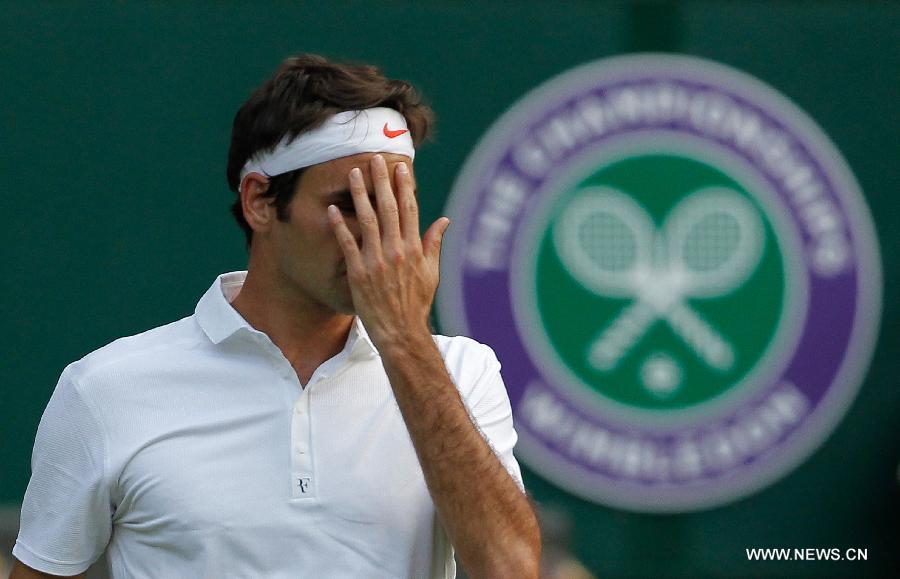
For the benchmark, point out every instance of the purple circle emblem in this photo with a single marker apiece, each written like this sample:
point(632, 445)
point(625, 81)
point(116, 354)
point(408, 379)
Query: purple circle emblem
point(678, 272)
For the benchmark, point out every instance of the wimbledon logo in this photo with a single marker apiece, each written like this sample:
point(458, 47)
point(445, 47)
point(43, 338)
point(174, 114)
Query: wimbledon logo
point(678, 272)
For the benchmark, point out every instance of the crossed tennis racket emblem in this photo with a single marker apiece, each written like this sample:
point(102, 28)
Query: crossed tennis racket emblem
point(708, 245)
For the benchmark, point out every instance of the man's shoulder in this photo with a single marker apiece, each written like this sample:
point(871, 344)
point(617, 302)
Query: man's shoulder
point(461, 346)
point(466, 356)
point(153, 347)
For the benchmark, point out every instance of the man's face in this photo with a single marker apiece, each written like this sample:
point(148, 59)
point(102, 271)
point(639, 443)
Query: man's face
point(305, 251)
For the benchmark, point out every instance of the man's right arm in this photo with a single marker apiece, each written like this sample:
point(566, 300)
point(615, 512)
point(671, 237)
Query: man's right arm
point(66, 516)
point(23, 571)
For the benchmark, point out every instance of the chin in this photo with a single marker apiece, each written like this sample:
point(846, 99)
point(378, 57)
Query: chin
point(345, 309)
point(342, 303)
point(341, 300)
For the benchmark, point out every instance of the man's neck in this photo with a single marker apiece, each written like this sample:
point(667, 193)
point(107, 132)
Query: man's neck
point(307, 333)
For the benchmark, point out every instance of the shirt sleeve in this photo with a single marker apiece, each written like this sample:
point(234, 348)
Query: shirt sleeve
point(491, 410)
point(66, 519)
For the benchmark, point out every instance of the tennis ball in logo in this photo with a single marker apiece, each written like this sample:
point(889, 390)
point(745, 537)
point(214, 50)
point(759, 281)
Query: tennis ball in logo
point(663, 364)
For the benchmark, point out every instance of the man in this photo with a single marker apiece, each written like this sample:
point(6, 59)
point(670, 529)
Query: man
point(303, 422)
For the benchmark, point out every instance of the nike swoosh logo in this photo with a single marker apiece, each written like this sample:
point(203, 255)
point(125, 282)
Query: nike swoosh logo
point(391, 134)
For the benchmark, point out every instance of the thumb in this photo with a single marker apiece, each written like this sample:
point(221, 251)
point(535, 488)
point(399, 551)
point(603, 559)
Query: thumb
point(431, 242)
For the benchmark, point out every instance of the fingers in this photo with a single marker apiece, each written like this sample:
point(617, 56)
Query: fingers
point(365, 214)
point(431, 242)
point(346, 240)
point(409, 207)
point(388, 213)
point(392, 228)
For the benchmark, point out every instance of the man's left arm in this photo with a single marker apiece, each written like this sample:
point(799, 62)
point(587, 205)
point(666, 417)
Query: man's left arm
point(487, 517)
point(393, 275)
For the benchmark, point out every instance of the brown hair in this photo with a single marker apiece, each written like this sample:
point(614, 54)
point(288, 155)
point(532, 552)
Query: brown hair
point(305, 91)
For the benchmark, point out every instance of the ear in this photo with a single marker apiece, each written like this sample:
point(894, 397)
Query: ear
point(258, 210)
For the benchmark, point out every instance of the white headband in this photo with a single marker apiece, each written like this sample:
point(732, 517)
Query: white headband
point(376, 130)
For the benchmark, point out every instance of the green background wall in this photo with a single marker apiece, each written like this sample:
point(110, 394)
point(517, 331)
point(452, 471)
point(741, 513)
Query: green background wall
point(114, 126)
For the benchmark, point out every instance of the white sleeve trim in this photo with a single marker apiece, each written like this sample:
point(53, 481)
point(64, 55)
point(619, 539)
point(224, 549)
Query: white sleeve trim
point(26, 555)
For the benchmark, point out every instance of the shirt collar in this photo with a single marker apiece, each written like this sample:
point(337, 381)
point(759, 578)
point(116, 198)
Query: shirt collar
point(219, 320)
point(360, 342)
point(214, 312)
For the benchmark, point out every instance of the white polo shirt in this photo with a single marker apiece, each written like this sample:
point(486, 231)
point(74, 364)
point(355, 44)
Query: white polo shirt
point(192, 450)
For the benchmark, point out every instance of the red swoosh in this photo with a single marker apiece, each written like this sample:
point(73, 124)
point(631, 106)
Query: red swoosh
point(391, 134)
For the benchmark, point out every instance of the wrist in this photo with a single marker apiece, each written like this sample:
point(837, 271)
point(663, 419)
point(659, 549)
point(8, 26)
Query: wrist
point(402, 342)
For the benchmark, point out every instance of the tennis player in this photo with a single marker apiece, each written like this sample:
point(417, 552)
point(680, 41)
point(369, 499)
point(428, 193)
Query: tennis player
point(304, 421)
